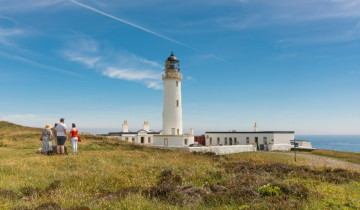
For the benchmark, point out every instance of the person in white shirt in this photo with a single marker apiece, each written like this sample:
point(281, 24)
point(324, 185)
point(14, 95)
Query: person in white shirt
point(61, 136)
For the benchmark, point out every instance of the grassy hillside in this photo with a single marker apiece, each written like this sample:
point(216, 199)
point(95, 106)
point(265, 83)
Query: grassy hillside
point(11, 133)
point(8, 129)
point(107, 174)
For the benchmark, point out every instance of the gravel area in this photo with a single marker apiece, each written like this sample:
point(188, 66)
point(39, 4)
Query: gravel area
point(316, 160)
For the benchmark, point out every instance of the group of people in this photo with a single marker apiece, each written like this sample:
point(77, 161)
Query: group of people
point(59, 133)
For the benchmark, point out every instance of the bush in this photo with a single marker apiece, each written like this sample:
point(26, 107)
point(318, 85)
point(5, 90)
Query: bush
point(268, 190)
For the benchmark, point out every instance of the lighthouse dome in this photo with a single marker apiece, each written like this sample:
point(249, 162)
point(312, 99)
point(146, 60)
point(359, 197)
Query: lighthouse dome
point(172, 57)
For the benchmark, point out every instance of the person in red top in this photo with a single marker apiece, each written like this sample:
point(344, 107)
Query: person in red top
point(74, 138)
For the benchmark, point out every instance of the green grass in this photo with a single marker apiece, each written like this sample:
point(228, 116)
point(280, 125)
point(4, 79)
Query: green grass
point(108, 174)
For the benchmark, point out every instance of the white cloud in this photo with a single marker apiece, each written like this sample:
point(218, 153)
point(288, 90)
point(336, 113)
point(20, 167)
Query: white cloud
point(129, 74)
point(243, 1)
point(88, 61)
point(190, 78)
point(346, 35)
point(19, 6)
point(154, 85)
point(10, 32)
point(45, 3)
point(7, 33)
point(320, 21)
point(265, 13)
point(44, 66)
point(85, 53)
point(116, 65)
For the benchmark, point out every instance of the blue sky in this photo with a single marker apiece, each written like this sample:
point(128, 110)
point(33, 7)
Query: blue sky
point(287, 65)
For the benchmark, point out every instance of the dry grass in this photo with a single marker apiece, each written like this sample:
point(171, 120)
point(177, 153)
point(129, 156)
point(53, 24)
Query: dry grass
point(108, 174)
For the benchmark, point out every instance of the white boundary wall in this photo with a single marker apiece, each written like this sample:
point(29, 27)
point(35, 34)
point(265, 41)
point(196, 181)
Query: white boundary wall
point(302, 144)
point(219, 150)
point(222, 150)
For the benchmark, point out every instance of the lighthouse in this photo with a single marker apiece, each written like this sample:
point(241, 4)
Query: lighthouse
point(172, 110)
point(172, 133)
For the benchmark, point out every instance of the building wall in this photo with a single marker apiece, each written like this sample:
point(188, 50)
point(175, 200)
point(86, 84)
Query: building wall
point(263, 139)
point(146, 138)
point(172, 110)
point(128, 138)
point(136, 138)
point(241, 138)
point(280, 147)
point(283, 138)
point(173, 140)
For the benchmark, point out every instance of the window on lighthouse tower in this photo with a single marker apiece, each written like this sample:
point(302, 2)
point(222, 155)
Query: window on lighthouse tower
point(177, 83)
point(177, 103)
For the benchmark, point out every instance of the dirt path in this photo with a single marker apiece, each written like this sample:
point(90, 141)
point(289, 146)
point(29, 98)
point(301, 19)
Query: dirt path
point(315, 160)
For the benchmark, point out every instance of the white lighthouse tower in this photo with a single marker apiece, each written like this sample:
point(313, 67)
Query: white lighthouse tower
point(172, 133)
point(172, 110)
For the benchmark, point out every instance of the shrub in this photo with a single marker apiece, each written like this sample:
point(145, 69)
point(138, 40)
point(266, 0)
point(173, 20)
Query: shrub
point(268, 190)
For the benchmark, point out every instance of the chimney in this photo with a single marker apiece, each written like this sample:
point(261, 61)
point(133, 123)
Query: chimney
point(125, 127)
point(255, 127)
point(192, 131)
point(172, 131)
point(146, 126)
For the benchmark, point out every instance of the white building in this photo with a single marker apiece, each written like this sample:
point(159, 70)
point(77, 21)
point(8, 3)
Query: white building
point(143, 136)
point(262, 140)
point(172, 133)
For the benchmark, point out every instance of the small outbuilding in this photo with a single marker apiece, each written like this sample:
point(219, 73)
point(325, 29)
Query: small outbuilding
point(143, 136)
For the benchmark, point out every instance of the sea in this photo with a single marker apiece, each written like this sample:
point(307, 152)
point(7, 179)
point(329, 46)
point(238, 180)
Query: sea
point(347, 143)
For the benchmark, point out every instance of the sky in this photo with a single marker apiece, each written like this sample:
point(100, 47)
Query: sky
point(286, 65)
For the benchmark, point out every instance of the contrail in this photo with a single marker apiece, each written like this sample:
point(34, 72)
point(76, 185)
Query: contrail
point(51, 68)
point(127, 22)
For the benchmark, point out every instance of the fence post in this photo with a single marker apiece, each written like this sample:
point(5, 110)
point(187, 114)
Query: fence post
point(295, 149)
